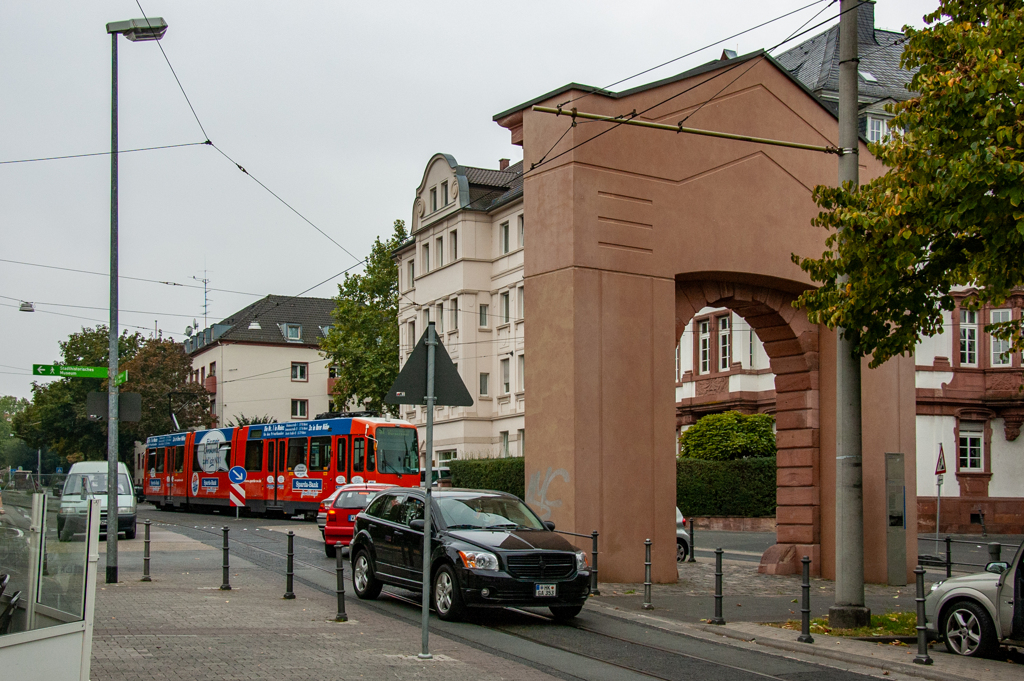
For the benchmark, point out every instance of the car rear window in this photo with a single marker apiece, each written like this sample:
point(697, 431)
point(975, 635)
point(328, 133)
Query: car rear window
point(354, 499)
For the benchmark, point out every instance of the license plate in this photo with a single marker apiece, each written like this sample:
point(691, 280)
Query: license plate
point(351, 518)
point(545, 590)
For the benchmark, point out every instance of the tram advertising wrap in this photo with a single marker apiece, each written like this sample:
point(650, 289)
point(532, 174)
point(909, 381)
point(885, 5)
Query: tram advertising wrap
point(290, 467)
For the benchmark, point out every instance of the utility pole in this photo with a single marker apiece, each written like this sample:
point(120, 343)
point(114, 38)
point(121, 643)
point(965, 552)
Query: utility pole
point(848, 611)
point(112, 388)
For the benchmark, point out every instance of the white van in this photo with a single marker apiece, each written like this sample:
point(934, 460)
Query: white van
point(88, 480)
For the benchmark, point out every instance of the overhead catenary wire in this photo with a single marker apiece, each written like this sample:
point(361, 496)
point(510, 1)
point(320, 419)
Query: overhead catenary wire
point(96, 307)
point(105, 153)
point(88, 319)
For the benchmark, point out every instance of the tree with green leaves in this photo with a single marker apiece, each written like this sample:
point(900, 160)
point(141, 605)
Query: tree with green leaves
point(241, 419)
point(947, 213)
point(729, 436)
point(363, 342)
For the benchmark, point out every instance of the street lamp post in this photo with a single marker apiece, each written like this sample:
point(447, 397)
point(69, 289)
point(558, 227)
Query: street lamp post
point(135, 30)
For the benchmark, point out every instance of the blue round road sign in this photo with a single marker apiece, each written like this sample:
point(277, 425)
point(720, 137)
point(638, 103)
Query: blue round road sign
point(236, 474)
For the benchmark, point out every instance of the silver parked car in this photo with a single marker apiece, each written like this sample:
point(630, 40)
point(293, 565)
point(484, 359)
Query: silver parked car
point(682, 538)
point(975, 613)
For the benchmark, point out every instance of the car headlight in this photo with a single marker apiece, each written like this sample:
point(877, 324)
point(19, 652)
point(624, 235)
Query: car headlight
point(481, 560)
point(937, 584)
point(581, 561)
point(124, 510)
point(65, 511)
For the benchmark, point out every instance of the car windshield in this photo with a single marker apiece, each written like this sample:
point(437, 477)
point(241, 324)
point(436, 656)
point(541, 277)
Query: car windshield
point(488, 512)
point(357, 499)
point(97, 483)
point(396, 451)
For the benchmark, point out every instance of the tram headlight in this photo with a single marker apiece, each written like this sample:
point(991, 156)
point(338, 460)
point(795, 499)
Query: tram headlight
point(480, 560)
point(582, 565)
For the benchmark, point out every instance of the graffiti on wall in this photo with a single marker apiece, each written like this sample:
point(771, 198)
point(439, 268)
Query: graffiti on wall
point(537, 492)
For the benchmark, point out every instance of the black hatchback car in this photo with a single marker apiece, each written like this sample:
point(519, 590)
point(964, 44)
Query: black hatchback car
point(488, 550)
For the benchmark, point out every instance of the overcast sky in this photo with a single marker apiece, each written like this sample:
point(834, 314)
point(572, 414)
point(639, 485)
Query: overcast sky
point(335, 106)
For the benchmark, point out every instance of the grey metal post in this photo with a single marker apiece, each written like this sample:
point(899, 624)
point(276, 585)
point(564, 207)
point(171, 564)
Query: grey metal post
point(994, 549)
point(39, 466)
point(289, 571)
point(693, 541)
point(805, 607)
point(718, 619)
point(647, 575)
point(922, 636)
point(340, 569)
point(848, 611)
point(431, 344)
point(593, 568)
point(145, 554)
point(938, 510)
point(226, 586)
point(949, 557)
point(112, 411)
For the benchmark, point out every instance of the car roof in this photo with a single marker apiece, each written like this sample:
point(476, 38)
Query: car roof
point(457, 492)
point(360, 486)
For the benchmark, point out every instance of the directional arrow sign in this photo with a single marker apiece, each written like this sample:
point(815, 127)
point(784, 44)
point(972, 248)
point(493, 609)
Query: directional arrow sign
point(67, 371)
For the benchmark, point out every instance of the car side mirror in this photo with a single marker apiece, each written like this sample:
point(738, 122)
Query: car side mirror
point(550, 525)
point(416, 524)
point(997, 567)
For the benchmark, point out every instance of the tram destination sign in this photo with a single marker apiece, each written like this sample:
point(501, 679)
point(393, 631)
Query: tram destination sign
point(69, 371)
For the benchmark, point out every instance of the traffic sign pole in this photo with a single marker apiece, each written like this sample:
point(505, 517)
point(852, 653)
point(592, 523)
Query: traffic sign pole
point(940, 469)
point(427, 480)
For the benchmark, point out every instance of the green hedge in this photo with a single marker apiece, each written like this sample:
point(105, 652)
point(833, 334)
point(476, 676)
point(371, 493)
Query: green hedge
point(728, 436)
point(744, 487)
point(504, 475)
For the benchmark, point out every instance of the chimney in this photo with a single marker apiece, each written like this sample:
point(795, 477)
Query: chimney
point(502, 163)
point(866, 23)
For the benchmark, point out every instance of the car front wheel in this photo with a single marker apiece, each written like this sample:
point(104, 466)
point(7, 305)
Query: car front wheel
point(969, 631)
point(366, 585)
point(447, 596)
point(563, 613)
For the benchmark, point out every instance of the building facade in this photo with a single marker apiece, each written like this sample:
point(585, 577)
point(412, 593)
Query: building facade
point(265, 360)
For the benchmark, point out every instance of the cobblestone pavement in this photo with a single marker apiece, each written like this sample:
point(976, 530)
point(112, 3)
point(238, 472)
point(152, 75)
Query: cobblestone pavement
point(181, 626)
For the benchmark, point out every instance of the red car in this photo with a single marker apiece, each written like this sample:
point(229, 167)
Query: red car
point(341, 515)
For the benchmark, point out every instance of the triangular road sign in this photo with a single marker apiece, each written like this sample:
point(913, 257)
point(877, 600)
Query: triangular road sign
point(411, 385)
point(940, 465)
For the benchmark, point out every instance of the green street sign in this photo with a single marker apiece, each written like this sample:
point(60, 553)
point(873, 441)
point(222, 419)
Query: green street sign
point(67, 371)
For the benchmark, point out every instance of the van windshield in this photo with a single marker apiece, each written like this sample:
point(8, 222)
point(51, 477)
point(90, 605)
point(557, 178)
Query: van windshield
point(97, 483)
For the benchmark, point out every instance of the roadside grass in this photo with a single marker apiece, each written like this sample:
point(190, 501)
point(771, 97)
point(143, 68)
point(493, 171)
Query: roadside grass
point(887, 624)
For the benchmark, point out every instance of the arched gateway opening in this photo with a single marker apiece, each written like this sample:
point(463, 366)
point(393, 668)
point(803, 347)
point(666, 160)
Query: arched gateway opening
point(631, 233)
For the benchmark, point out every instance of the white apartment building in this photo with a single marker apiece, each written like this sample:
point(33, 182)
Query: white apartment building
point(265, 360)
point(462, 268)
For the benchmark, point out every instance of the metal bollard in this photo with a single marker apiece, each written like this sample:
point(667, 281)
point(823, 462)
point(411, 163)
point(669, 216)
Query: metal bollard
point(593, 568)
point(805, 608)
point(290, 569)
point(718, 619)
point(145, 555)
point(226, 586)
point(647, 575)
point(340, 568)
point(994, 549)
point(949, 557)
point(693, 543)
point(922, 637)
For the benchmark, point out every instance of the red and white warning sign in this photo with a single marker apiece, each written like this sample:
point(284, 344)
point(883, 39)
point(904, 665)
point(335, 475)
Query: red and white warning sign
point(236, 493)
point(940, 465)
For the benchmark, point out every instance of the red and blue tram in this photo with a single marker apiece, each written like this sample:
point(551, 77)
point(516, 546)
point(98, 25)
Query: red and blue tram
point(290, 467)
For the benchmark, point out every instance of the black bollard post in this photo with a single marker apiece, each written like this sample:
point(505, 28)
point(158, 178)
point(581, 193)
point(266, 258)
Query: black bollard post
point(647, 575)
point(994, 549)
point(693, 541)
point(922, 637)
point(593, 569)
point(949, 556)
point(145, 555)
point(718, 619)
point(340, 568)
point(289, 570)
point(226, 586)
point(805, 609)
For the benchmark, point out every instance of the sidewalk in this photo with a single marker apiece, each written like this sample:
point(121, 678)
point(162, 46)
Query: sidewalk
point(181, 626)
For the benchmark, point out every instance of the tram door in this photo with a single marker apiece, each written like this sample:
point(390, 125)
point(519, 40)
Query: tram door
point(276, 452)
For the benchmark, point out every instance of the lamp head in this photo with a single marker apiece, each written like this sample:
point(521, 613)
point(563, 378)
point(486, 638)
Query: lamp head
point(139, 29)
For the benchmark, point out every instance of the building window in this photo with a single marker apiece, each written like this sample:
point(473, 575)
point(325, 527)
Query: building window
point(444, 193)
point(968, 337)
point(522, 442)
point(878, 129)
point(426, 258)
point(299, 409)
point(971, 436)
point(433, 200)
point(213, 366)
point(520, 231)
point(293, 332)
point(521, 374)
point(202, 374)
point(332, 371)
point(724, 344)
point(750, 345)
point(412, 273)
point(484, 378)
point(299, 371)
point(1000, 347)
point(705, 346)
point(679, 359)
point(503, 237)
point(440, 317)
point(426, 318)
point(439, 242)
point(412, 335)
point(504, 444)
point(505, 387)
point(483, 316)
point(504, 308)
point(454, 241)
point(519, 303)
point(455, 314)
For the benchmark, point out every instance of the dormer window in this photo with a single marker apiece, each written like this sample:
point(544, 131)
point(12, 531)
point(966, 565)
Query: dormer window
point(433, 200)
point(444, 193)
point(878, 129)
point(868, 77)
point(293, 332)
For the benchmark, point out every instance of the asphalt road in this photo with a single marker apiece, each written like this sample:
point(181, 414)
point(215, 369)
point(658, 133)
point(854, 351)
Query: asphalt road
point(594, 646)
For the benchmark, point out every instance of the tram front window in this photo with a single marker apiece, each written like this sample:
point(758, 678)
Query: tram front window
point(397, 451)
